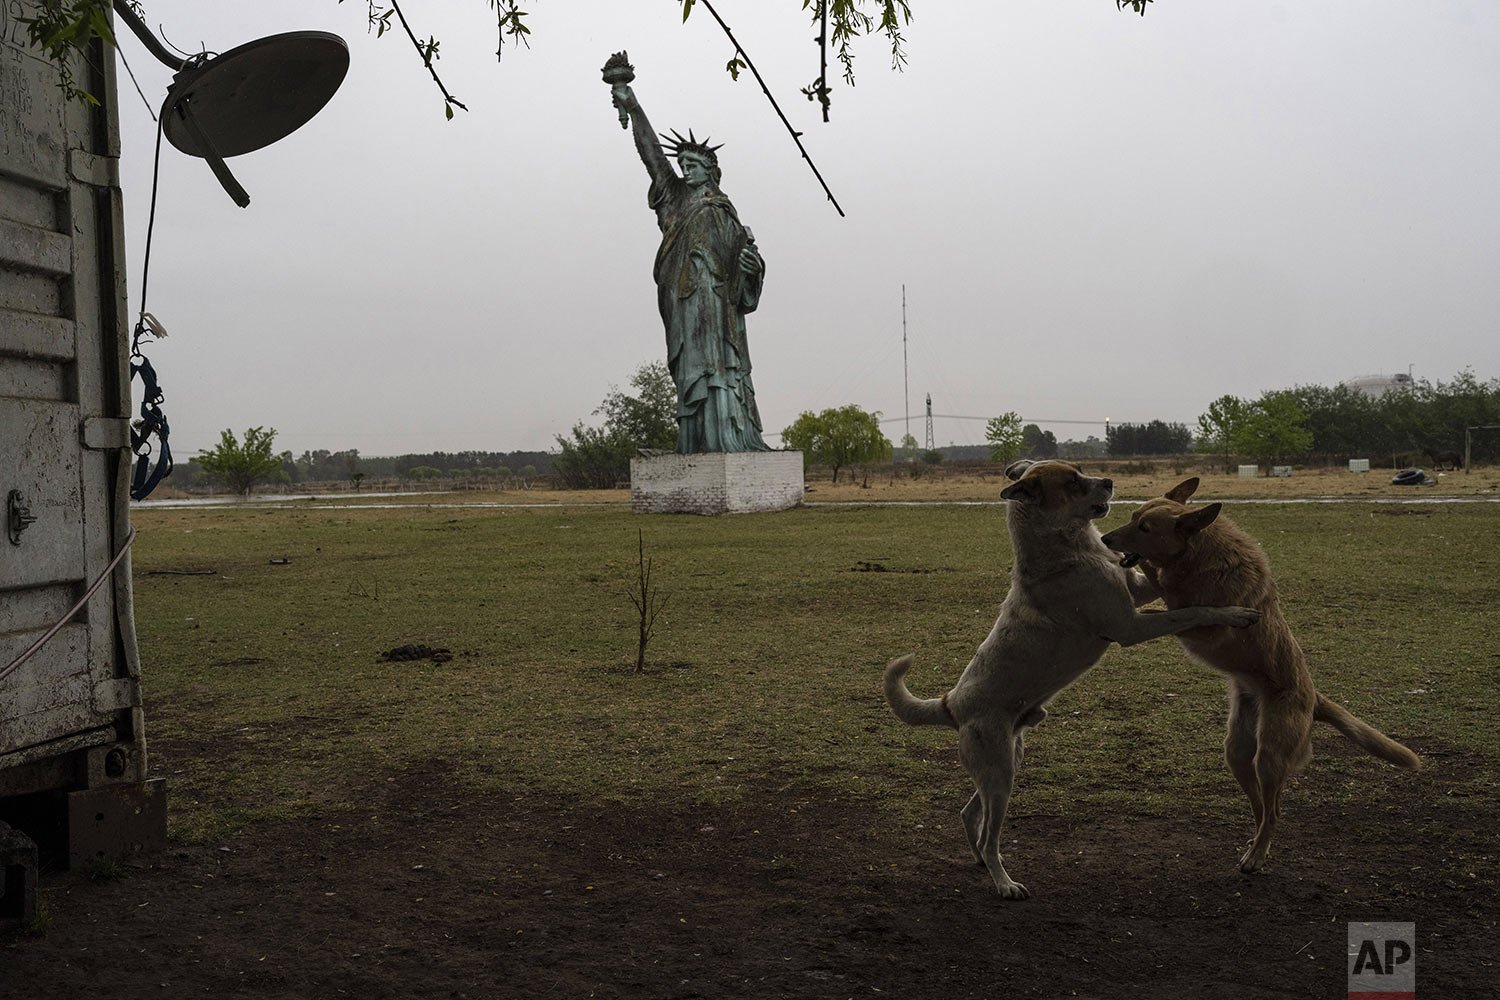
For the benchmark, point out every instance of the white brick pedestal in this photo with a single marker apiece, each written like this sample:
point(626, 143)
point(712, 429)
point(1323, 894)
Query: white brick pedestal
point(743, 482)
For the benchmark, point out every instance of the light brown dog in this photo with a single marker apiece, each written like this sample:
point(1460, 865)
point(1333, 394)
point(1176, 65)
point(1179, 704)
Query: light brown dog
point(1194, 556)
point(1069, 599)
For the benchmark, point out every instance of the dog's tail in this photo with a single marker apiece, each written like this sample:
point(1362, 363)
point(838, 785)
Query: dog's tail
point(1370, 739)
point(909, 709)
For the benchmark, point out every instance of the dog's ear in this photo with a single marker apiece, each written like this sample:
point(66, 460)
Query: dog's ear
point(1197, 520)
point(1026, 490)
point(1016, 470)
point(1183, 491)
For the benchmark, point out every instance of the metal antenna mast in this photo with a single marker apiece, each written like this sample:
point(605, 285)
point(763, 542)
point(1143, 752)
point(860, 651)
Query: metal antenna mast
point(930, 445)
point(905, 374)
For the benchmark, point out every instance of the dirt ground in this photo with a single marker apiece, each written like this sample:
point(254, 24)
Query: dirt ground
point(424, 893)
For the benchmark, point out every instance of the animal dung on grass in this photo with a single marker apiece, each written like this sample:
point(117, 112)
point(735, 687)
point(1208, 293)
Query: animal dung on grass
point(863, 566)
point(412, 651)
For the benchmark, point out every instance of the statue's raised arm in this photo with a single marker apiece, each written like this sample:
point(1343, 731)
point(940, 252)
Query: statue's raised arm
point(646, 143)
point(619, 73)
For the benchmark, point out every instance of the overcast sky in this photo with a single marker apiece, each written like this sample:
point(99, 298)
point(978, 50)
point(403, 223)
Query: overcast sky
point(1094, 215)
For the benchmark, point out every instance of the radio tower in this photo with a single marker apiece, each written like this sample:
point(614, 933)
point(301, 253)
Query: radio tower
point(905, 376)
point(930, 445)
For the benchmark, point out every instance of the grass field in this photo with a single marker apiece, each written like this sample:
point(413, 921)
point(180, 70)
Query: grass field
point(275, 720)
point(769, 654)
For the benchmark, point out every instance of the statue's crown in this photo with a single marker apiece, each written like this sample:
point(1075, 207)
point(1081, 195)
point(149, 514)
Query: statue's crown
point(676, 145)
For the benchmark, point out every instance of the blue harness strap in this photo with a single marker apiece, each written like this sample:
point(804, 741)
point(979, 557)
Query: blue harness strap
point(153, 422)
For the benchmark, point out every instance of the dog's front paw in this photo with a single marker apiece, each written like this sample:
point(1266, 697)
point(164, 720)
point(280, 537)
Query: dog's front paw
point(1239, 617)
point(1013, 890)
point(1252, 860)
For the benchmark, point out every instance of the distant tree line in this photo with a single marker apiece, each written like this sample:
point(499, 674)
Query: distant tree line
point(1323, 424)
point(238, 466)
point(1154, 438)
point(1307, 424)
point(1089, 447)
point(481, 464)
point(321, 466)
point(324, 466)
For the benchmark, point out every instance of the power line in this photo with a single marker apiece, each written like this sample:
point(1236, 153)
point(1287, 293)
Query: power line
point(1029, 420)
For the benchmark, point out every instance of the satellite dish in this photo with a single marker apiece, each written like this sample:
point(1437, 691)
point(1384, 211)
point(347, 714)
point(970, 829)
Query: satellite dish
point(246, 98)
point(255, 94)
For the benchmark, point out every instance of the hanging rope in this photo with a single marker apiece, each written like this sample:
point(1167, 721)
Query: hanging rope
point(15, 664)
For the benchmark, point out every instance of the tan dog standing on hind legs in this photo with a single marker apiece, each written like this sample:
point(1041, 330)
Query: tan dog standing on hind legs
point(1069, 599)
point(1194, 556)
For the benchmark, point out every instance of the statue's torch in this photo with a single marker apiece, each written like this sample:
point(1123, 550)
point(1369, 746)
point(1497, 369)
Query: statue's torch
point(617, 73)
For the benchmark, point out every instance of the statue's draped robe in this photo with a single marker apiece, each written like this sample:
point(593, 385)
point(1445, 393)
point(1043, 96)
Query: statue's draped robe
point(703, 295)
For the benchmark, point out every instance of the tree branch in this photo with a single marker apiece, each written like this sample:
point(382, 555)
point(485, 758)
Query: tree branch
point(428, 52)
point(796, 136)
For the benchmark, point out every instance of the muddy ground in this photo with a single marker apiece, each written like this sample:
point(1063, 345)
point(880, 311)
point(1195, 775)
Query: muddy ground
point(424, 893)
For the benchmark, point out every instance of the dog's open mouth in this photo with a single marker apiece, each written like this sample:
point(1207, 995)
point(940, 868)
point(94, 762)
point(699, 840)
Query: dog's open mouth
point(1129, 559)
point(1099, 509)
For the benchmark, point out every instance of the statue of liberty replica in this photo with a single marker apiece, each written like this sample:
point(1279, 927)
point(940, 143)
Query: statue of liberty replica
point(708, 276)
